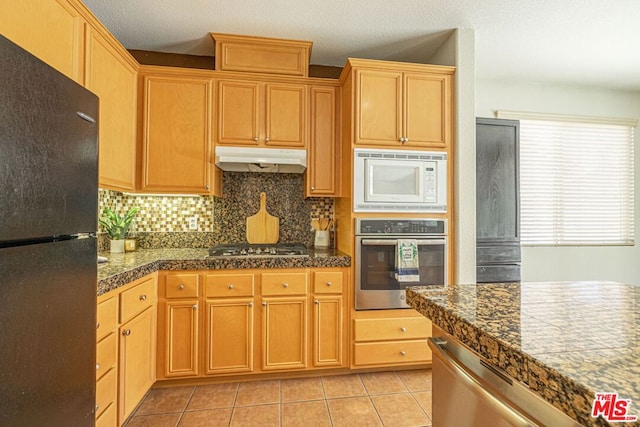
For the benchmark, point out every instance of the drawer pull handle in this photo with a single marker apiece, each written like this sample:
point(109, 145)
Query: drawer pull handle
point(403, 353)
point(181, 286)
point(194, 306)
point(285, 285)
point(403, 329)
point(97, 366)
point(126, 332)
point(329, 284)
point(230, 286)
point(143, 297)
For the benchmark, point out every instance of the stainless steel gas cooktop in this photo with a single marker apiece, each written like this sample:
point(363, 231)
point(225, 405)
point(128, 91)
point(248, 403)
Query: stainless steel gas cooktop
point(268, 250)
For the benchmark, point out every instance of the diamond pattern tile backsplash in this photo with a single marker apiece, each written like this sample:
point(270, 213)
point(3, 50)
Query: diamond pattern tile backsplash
point(163, 221)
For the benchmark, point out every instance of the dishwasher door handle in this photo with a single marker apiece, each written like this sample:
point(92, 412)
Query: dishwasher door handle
point(477, 385)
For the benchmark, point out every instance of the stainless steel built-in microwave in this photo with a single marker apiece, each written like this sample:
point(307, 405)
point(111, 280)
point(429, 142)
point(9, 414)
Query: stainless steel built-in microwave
point(399, 181)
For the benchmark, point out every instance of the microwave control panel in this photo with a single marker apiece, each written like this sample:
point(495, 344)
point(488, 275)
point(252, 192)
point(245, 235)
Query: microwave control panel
point(409, 227)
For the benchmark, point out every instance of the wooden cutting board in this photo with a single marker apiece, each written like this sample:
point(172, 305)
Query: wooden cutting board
point(262, 227)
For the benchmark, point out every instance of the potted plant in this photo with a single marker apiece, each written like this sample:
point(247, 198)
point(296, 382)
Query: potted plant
point(117, 226)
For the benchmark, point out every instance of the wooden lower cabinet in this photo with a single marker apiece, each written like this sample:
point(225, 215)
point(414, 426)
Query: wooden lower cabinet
point(390, 338)
point(229, 336)
point(126, 349)
point(284, 333)
point(251, 321)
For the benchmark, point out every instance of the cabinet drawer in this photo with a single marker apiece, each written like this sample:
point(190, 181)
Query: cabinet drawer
point(107, 317)
point(378, 353)
point(385, 329)
point(498, 254)
point(136, 299)
point(327, 282)
point(181, 286)
point(106, 355)
point(229, 285)
point(106, 391)
point(497, 273)
point(108, 418)
point(284, 283)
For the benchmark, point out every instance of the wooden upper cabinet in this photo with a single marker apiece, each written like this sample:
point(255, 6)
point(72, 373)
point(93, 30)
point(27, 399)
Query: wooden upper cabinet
point(52, 30)
point(427, 103)
point(321, 175)
point(113, 77)
point(261, 114)
point(399, 104)
point(177, 155)
point(378, 107)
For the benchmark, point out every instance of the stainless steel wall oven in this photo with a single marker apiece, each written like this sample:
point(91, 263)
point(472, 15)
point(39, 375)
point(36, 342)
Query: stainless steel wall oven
point(377, 286)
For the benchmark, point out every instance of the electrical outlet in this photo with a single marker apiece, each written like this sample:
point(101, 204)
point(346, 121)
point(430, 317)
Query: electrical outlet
point(193, 223)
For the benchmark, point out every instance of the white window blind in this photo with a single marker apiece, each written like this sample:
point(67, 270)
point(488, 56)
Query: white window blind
point(576, 180)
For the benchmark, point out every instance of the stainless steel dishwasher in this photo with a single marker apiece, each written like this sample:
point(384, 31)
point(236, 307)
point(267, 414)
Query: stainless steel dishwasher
point(468, 391)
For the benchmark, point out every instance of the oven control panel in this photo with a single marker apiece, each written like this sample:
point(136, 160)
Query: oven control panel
point(409, 227)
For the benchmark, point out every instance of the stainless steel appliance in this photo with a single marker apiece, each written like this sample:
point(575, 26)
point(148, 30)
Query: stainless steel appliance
point(399, 181)
point(245, 250)
point(376, 285)
point(469, 391)
point(48, 250)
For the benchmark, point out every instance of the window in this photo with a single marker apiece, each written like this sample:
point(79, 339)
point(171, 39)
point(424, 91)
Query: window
point(576, 180)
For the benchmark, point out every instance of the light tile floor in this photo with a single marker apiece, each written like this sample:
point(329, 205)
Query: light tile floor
point(390, 399)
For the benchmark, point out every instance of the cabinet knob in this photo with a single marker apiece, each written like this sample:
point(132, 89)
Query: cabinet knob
point(403, 353)
point(97, 325)
point(402, 139)
point(181, 286)
point(97, 366)
point(267, 139)
point(250, 304)
point(403, 329)
point(206, 187)
point(264, 304)
point(255, 138)
point(194, 306)
point(285, 285)
point(126, 332)
point(230, 286)
point(329, 284)
point(97, 407)
point(316, 301)
point(143, 297)
point(313, 188)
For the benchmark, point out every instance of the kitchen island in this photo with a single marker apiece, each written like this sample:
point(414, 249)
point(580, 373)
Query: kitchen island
point(125, 268)
point(565, 340)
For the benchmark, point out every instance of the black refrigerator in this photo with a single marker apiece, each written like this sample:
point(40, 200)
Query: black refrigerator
point(48, 250)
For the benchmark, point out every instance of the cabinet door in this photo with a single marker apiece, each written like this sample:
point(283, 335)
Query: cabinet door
point(52, 30)
point(177, 144)
point(284, 333)
point(229, 336)
point(137, 361)
point(427, 117)
point(238, 112)
point(321, 172)
point(327, 331)
point(113, 79)
point(180, 329)
point(285, 115)
point(378, 107)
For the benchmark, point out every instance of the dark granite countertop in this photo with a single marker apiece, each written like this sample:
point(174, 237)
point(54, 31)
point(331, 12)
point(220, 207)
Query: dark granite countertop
point(124, 268)
point(565, 340)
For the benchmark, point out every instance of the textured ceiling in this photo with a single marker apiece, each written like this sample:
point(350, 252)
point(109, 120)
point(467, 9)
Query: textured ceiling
point(586, 42)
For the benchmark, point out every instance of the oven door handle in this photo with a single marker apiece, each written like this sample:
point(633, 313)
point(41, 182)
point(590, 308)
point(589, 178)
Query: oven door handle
point(387, 242)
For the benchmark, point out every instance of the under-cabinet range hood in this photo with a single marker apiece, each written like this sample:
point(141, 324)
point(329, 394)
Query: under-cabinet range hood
point(248, 159)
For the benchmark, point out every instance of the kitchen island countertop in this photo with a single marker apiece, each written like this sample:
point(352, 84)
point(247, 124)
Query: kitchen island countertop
point(565, 340)
point(124, 268)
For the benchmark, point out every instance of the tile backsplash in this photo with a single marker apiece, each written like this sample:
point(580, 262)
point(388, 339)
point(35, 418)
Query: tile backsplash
point(163, 221)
